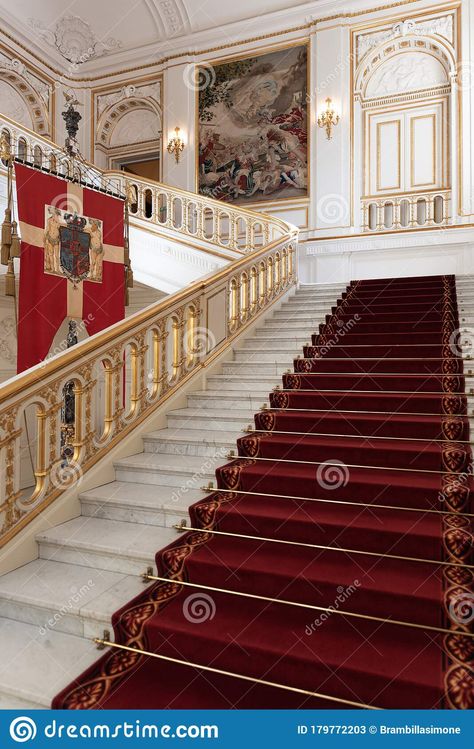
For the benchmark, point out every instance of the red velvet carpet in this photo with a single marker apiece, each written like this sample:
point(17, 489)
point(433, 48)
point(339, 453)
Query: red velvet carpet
point(350, 503)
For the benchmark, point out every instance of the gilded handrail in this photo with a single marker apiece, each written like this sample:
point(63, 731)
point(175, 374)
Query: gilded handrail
point(124, 373)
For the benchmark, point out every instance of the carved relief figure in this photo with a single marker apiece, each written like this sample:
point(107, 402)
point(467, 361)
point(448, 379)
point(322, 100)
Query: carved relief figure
point(51, 241)
point(96, 250)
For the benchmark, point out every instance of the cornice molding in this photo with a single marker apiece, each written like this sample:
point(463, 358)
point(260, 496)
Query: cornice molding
point(118, 64)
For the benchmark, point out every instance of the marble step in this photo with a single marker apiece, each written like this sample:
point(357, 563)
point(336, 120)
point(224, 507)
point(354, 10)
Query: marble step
point(275, 328)
point(236, 420)
point(10, 702)
point(317, 302)
point(285, 339)
point(322, 291)
point(35, 667)
point(162, 506)
point(310, 288)
point(104, 544)
point(267, 345)
point(63, 597)
point(244, 383)
point(168, 470)
point(228, 399)
point(303, 318)
point(316, 306)
point(256, 366)
point(189, 442)
point(250, 355)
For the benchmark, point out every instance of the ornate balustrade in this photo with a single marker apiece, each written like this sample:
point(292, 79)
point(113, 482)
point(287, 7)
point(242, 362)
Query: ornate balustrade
point(414, 211)
point(120, 376)
point(200, 219)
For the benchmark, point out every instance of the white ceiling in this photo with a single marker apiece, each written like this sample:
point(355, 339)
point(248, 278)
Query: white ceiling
point(83, 30)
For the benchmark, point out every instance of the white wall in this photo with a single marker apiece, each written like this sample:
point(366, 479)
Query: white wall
point(344, 260)
point(179, 111)
point(167, 264)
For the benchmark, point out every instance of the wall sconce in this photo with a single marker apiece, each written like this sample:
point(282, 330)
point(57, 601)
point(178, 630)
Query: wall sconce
point(176, 145)
point(328, 119)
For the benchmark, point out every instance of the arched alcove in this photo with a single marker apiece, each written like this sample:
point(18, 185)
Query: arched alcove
point(403, 120)
point(129, 131)
point(22, 103)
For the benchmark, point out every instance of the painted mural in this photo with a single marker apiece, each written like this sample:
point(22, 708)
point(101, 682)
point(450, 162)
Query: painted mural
point(253, 127)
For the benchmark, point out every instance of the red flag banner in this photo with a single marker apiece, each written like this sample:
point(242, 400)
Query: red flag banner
point(71, 262)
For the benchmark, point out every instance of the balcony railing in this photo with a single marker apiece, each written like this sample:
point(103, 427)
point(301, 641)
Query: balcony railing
point(121, 375)
point(199, 219)
point(408, 211)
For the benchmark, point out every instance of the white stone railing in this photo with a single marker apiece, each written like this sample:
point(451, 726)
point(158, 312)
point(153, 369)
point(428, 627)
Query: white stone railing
point(200, 219)
point(408, 211)
point(121, 375)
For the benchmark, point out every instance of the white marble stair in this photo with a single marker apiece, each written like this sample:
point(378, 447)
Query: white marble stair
point(104, 544)
point(139, 503)
point(90, 566)
point(36, 666)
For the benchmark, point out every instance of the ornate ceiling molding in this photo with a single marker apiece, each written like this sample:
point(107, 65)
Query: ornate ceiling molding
point(203, 42)
point(74, 39)
point(42, 88)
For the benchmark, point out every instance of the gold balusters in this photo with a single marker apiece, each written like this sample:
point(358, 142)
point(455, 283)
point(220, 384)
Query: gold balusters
point(270, 278)
point(262, 292)
point(253, 290)
point(233, 305)
point(244, 297)
point(10, 434)
point(178, 324)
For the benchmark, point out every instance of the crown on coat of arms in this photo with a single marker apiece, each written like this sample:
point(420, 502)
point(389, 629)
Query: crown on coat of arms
point(74, 221)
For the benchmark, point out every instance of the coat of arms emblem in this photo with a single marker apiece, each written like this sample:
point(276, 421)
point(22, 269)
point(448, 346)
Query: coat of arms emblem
point(74, 244)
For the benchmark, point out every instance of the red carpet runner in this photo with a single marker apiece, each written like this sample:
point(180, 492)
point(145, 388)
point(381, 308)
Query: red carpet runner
point(351, 503)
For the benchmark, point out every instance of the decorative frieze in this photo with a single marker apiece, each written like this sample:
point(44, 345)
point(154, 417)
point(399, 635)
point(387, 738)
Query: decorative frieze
point(440, 26)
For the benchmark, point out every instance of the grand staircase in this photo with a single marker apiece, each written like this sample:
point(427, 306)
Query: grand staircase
point(333, 563)
point(91, 566)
